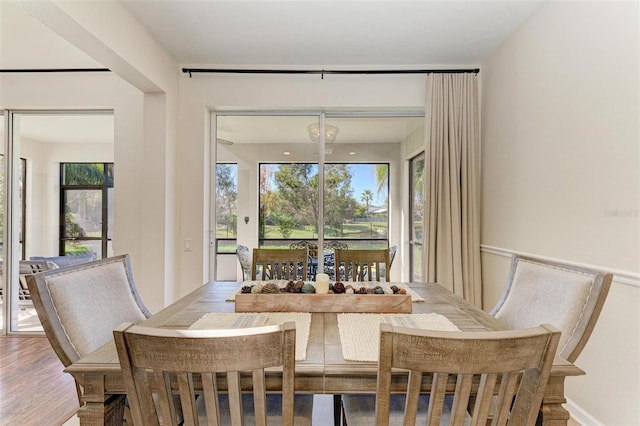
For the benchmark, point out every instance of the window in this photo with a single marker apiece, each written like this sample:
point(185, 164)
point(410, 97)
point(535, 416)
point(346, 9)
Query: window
point(86, 208)
point(355, 203)
point(226, 208)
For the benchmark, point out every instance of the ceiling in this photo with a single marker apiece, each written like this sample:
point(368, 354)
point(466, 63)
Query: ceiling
point(322, 33)
point(305, 33)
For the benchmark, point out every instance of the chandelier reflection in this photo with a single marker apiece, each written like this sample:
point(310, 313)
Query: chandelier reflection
point(330, 132)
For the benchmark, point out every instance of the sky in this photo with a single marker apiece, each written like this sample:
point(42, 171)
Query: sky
point(364, 177)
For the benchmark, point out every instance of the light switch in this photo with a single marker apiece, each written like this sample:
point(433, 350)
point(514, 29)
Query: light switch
point(188, 244)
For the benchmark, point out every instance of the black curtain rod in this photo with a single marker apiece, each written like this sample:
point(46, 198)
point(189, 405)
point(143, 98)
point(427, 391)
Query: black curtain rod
point(34, 70)
point(323, 72)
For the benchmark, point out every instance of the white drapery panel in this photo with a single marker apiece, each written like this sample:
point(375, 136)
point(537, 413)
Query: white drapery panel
point(452, 217)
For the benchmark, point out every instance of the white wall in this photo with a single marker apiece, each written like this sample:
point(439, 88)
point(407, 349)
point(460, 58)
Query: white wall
point(135, 217)
point(560, 135)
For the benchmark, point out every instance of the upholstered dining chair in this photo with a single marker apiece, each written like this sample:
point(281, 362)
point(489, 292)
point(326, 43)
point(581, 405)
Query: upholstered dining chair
point(80, 305)
point(569, 298)
point(362, 265)
point(514, 364)
point(279, 264)
point(244, 257)
point(188, 356)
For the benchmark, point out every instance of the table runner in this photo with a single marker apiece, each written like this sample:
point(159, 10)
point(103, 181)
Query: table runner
point(245, 320)
point(415, 297)
point(360, 333)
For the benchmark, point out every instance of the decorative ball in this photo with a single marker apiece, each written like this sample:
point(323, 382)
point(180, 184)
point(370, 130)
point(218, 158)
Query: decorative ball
point(270, 288)
point(394, 288)
point(308, 288)
point(387, 290)
point(378, 290)
point(256, 288)
point(402, 291)
point(349, 290)
point(338, 288)
point(290, 287)
point(298, 287)
point(245, 289)
point(362, 290)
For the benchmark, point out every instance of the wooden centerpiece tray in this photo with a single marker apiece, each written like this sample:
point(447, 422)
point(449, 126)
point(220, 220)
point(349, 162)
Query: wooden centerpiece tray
point(312, 302)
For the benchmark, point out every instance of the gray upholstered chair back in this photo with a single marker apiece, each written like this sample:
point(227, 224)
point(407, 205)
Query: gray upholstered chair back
point(80, 305)
point(245, 257)
point(566, 297)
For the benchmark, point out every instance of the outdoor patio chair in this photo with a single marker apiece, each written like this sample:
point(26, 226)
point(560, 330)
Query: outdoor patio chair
point(312, 253)
point(330, 247)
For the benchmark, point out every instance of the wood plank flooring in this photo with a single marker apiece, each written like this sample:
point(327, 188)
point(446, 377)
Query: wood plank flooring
point(33, 388)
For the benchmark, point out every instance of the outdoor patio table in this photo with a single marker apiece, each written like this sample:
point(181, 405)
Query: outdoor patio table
point(323, 371)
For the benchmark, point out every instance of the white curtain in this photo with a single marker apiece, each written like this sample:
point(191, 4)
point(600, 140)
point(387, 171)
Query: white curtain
point(452, 222)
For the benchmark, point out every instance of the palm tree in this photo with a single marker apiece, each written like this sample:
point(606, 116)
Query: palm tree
point(367, 196)
point(382, 176)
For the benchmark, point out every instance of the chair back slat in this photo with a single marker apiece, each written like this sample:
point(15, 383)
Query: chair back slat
point(188, 356)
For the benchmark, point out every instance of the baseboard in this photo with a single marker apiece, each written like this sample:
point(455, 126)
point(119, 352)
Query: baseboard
point(619, 276)
point(580, 415)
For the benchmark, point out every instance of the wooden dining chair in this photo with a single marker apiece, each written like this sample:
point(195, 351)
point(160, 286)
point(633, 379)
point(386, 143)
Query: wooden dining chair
point(279, 264)
point(362, 265)
point(512, 364)
point(567, 297)
point(80, 305)
point(152, 360)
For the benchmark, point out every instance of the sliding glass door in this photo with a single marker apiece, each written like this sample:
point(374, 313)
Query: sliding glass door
point(269, 168)
point(44, 217)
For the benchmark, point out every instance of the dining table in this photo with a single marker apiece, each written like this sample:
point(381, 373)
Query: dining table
point(324, 369)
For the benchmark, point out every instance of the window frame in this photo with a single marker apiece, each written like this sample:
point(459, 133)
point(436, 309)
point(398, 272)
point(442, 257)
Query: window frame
point(104, 188)
point(361, 243)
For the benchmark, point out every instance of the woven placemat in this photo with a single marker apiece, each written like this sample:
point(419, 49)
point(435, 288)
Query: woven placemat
point(415, 297)
point(216, 321)
point(360, 333)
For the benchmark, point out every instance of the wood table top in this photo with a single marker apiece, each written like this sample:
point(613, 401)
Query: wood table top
point(324, 351)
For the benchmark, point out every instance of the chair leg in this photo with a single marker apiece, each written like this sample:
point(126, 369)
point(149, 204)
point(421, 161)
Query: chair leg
point(337, 409)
